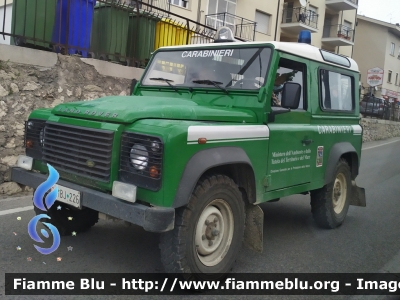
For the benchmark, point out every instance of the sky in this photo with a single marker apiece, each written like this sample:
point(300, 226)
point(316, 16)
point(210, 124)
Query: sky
point(383, 10)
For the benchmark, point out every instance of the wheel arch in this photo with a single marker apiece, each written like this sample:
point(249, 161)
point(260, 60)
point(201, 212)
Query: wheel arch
point(342, 150)
point(230, 161)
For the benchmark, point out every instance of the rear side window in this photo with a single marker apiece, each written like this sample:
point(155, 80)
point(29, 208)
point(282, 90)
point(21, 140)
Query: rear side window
point(336, 91)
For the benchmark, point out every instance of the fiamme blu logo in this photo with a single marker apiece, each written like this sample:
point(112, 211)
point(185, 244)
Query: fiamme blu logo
point(44, 205)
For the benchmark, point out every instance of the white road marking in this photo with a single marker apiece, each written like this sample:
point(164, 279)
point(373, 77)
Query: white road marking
point(391, 142)
point(15, 210)
point(23, 198)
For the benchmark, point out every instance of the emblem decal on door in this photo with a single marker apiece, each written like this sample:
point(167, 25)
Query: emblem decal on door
point(320, 156)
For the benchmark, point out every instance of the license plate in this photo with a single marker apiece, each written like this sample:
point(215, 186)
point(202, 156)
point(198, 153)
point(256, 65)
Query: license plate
point(69, 196)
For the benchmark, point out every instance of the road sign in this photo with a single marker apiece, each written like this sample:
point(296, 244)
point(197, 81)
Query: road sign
point(375, 77)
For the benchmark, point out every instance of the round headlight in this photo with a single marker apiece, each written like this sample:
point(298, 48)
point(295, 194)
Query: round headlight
point(30, 125)
point(41, 137)
point(139, 157)
point(155, 146)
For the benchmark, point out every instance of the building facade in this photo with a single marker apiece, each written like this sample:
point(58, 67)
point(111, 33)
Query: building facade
point(378, 46)
point(332, 22)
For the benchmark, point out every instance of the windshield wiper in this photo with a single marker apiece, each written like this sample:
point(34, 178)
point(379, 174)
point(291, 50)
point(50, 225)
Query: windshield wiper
point(210, 82)
point(167, 81)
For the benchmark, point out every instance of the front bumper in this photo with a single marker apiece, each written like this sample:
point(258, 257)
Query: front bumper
point(154, 219)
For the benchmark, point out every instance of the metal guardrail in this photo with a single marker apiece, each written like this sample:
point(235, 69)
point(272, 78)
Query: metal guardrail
point(373, 107)
point(300, 14)
point(242, 28)
point(123, 31)
point(340, 31)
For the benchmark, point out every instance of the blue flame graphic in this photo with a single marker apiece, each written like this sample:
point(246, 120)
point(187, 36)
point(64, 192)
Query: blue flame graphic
point(44, 187)
point(49, 201)
point(32, 232)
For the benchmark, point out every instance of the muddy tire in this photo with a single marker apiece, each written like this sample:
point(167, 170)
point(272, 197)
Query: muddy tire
point(81, 221)
point(208, 232)
point(329, 205)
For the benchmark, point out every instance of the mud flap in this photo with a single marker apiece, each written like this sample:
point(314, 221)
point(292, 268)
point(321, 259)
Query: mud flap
point(253, 234)
point(357, 195)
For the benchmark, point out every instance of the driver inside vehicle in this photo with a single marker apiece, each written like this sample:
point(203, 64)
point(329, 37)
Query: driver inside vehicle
point(280, 80)
point(278, 86)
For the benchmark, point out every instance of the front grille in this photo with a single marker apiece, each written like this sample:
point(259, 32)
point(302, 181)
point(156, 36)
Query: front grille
point(143, 166)
point(76, 150)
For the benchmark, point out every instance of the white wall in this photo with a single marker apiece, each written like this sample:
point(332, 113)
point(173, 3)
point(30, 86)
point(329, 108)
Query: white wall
point(7, 27)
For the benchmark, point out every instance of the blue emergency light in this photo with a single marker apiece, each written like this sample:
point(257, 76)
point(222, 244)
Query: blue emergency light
point(305, 37)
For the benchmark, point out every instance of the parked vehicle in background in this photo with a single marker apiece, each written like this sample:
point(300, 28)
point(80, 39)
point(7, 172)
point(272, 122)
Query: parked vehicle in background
point(375, 107)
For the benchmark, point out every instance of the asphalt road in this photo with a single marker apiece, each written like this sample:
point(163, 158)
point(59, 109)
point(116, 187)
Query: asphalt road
point(368, 241)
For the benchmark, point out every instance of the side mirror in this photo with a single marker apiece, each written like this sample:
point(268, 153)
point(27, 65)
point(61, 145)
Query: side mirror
point(133, 84)
point(291, 95)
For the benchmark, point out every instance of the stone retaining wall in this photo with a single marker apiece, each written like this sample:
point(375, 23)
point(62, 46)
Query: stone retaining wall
point(375, 129)
point(24, 88)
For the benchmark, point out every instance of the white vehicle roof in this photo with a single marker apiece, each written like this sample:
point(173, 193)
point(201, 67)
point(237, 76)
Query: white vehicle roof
point(299, 49)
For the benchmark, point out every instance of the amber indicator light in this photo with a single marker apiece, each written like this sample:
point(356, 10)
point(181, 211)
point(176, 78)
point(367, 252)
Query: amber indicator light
point(202, 140)
point(29, 144)
point(153, 171)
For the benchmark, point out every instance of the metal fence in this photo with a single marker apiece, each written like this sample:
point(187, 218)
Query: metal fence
point(340, 31)
point(123, 31)
point(379, 108)
point(242, 28)
point(300, 14)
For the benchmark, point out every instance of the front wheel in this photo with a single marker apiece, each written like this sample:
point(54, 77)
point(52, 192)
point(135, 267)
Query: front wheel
point(208, 232)
point(329, 205)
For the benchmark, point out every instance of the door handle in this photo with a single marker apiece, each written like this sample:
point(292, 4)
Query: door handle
point(306, 142)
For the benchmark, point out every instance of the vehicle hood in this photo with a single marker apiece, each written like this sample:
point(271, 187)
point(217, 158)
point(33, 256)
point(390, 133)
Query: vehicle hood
point(128, 109)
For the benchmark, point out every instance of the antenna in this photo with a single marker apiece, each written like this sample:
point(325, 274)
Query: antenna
point(303, 3)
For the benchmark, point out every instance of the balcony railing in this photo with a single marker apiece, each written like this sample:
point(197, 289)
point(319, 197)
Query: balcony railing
point(342, 4)
point(300, 15)
point(352, 1)
point(242, 28)
point(338, 31)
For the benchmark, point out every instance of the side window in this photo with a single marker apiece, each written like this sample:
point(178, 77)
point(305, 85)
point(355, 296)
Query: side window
point(289, 71)
point(336, 91)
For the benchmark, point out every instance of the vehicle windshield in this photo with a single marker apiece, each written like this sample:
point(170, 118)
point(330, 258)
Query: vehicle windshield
point(226, 68)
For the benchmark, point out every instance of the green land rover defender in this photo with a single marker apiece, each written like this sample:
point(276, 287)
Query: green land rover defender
point(209, 132)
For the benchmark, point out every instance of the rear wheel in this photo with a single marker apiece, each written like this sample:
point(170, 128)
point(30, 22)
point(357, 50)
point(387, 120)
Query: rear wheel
point(208, 232)
point(329, 205)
